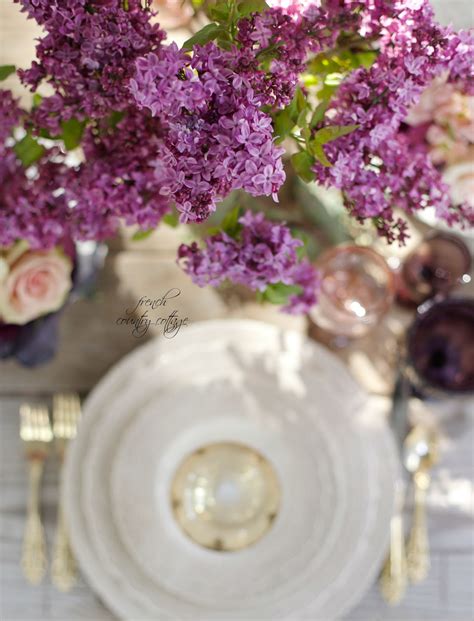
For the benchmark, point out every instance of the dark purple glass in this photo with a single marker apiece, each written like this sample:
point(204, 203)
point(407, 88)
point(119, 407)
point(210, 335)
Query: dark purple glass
point(441, 346)
point(436, 266)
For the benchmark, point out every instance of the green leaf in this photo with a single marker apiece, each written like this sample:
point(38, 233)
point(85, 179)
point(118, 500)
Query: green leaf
point(301, 120)
point(318, 152)
point(295, 106)
point(318, 114)
point(230, 223)
point(224, 42)
point(283, 123)
point(115, 118)
point(28, 150)
point(302, 163)
point(213, 230)
point(203, 36)
point(301, 251)
point(326, 92)
point(171, 219)
point(141, 235)
point(332, 132)
point(278, 293)
point(301, 103)
point(37, 99)
point(247, 7)
point(306, 134)
point(6, 70)
point(44, 133)
point(220, 12)
point(366, 59)
point(72, 133)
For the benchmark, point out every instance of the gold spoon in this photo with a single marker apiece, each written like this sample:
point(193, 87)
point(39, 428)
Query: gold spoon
point(393, 578)
point(420, 454)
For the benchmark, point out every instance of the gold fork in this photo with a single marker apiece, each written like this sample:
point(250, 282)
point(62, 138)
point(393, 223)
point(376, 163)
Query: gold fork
point(36, 433)
point(66, 414)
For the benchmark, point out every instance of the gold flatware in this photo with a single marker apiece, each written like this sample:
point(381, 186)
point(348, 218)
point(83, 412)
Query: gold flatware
point(393, 578)
point(36, 433)
point(420, 455)
point(66, 414)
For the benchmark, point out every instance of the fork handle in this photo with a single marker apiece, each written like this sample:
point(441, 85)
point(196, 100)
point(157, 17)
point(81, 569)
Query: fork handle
point(33, 559)
point(393, 579)
point(418, 550)
point(63, 570)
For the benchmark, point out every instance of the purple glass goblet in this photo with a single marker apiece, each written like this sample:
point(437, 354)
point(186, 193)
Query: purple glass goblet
point(440, 347)
point(436, 266)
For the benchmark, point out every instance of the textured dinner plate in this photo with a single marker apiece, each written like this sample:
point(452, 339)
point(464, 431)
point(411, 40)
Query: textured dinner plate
point(231, 381)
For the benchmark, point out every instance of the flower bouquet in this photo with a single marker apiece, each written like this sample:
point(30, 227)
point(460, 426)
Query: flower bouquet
point(138, 131)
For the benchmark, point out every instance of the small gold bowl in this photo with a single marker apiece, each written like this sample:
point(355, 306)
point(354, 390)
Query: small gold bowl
point(225, 496)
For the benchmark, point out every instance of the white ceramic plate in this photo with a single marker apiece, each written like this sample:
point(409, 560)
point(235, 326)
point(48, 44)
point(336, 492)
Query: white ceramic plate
point(317, 564)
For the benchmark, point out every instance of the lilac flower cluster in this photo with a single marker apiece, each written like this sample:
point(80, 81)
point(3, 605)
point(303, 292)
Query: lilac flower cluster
point(50, 200)
point(28, 208)
point(87, 56)
point(116, 181)
point(376, 166)
point(164, 127)
point(216, 138)
point(263, 253)
point(292, 30)
point(10, 115)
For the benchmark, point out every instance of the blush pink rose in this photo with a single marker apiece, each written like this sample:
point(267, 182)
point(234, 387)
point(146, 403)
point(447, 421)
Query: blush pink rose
point(173, 14)
point(460, 178)
point(37, 284)
point(437, 94)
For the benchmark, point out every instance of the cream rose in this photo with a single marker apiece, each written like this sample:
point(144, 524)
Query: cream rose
point(460, 178)
point(37, 283)
point(437, 94)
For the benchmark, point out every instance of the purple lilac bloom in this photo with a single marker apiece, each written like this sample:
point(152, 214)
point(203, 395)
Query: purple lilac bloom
point(263, 253)
point(28, 208)
point(376, 167)
point(116, 181)
point(10, 116)
point(51, 201)
point(216, 139)
point(197, 125)
point(87, 56)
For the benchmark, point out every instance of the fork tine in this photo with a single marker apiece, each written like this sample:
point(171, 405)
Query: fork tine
point(39, 426)
point(66, 414)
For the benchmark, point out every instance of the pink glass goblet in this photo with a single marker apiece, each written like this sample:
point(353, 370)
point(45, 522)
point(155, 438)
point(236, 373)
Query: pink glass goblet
point(357, 289)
